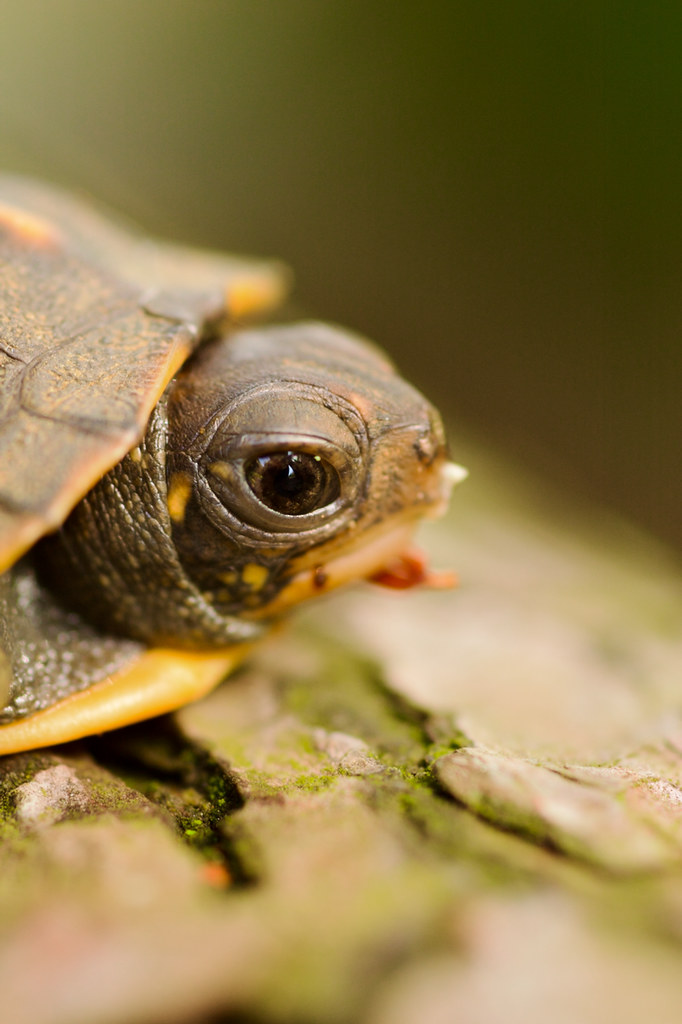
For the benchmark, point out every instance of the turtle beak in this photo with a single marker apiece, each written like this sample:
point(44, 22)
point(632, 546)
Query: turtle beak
point(451, 474)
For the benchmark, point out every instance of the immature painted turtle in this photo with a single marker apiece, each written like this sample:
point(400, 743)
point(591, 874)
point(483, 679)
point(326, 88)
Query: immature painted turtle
point(191, 503)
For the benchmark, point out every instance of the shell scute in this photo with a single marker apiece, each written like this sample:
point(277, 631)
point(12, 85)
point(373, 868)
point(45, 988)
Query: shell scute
point(94, 321)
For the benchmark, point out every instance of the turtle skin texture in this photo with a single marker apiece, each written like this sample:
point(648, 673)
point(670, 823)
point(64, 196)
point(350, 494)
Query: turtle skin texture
point(172, 479)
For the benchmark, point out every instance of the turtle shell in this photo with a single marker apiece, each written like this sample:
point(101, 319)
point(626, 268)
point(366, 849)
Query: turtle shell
point(192, 502)
point(94, 322)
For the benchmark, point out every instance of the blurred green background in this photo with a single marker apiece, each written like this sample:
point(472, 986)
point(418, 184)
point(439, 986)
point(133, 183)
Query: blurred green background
point(491, 190)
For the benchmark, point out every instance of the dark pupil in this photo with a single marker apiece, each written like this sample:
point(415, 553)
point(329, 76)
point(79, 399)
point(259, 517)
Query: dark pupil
point(292, 483)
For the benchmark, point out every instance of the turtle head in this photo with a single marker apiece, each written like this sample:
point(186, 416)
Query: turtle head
point(298, 459)
point(280, 463)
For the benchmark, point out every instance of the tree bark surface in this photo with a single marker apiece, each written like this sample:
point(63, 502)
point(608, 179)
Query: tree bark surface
point(438, 806)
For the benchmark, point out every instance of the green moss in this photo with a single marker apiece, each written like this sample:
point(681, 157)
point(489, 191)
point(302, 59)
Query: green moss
point(190, 788)
point(314, 783)
point(10, 834)
point(15, 771)
point(346, 693)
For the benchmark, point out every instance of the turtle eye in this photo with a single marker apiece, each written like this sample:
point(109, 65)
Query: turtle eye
point(293, 483)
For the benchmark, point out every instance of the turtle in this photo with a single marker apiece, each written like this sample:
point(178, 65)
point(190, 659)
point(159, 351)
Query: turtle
point(175, 473)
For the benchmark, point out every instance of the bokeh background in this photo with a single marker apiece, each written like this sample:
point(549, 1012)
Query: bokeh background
point(491, 190)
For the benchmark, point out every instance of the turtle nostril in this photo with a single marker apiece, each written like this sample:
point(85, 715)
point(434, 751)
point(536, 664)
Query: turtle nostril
point(429, 446)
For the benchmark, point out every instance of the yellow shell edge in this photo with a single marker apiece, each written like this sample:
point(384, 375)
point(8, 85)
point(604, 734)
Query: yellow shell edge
point(159, 681)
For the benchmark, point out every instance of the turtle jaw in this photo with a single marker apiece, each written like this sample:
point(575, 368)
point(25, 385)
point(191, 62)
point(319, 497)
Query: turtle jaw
point(378, 547)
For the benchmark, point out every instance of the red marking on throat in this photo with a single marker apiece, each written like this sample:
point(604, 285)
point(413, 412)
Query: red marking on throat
point(410, 570)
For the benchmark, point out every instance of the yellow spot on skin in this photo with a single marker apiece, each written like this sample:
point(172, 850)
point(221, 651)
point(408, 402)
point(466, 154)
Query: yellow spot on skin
point(27, 225)
point(136, 455)
point(254, 575)
point(229, 577)
point(221, 469)
point(179, 493)
point(257, 291)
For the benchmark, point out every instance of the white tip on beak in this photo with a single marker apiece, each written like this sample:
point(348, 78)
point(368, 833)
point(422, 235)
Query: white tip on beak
point(450, 474)
point(453, 474)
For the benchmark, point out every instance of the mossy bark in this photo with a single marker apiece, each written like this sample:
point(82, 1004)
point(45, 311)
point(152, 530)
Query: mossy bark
point(441, 807)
